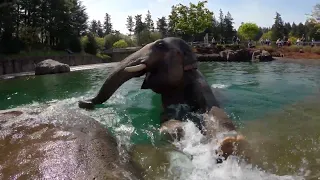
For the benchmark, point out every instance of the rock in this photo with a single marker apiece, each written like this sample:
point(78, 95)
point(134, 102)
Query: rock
point(208, 57)
point(265, 56)
point(55, 143)
point(50, 66)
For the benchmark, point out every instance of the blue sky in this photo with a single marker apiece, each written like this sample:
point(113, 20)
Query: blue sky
point(261, 12)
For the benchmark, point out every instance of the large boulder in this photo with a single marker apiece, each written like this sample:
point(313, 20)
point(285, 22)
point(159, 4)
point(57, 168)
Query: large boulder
point(238, 55)
point(53, 143)
point(50, 66)
point(265, 56)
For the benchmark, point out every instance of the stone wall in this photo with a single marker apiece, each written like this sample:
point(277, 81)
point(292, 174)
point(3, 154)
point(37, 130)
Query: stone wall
point(25, 64)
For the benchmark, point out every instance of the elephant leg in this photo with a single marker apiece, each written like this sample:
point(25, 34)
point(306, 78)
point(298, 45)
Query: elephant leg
point(217, 121)
point(172, 130)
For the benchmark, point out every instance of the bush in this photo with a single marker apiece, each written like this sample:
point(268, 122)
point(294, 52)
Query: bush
point(100, 43)
point(110, 39)
point(91, 45)
point(120, 44)
point(267, 48)
point(315, 50)
point(75, 44)
point(103, 56)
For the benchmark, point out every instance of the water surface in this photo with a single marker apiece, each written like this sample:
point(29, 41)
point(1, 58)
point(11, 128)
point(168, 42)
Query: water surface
point(270, 102)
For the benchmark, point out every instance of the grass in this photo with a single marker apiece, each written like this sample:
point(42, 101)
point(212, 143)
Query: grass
point(292, 48)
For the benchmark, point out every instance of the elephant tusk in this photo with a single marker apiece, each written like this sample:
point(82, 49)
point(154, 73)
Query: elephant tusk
point(135, 68)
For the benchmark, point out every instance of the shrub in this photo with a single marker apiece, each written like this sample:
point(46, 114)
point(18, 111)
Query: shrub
point(91, 45)
point(110, 39)
point(315, 50)
point(103, 56)
point(100, 43)
point(120, 44)
point(267, 48)
point(75, 44)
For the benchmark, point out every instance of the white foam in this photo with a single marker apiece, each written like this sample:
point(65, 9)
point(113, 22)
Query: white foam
point(204, 166)
point(219, 86)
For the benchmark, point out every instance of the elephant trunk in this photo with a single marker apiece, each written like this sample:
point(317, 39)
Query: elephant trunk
point(130, 67)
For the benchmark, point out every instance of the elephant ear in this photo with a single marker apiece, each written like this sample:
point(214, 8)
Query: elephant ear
point(189, 57)
point(175, 68)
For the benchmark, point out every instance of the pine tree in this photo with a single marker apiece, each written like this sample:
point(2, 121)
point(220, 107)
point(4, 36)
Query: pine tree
point(107, 25)
point(100, 30)
point(130, 24)
point(229, 30)
point(277, 28)
point(149, 22)
point(221, 24)
point(162, 26)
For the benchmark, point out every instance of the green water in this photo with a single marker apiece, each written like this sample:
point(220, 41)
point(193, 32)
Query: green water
point(256, 96)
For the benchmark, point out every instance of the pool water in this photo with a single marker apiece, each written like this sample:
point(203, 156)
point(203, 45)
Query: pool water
point(275, 104)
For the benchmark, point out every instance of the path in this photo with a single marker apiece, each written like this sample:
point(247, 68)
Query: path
point(72, 68)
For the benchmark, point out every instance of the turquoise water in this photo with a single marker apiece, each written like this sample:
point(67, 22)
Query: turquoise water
point(252, 94)
point(246, 91)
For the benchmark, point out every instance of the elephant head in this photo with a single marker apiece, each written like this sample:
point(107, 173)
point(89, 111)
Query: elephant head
point(170, 67)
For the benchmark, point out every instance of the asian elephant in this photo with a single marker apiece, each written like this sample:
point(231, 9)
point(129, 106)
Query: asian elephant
point(171, 70)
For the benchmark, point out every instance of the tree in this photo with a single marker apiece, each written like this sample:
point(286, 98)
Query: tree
point(162, 26)
point(294, 30)
point(287, 29)
point(192, 19)
point(91, 45)
point(248, 31)
point(277, 28)
point(316, 13)
point(221, 24)
point(149, 22)
point(93, 27)
point(107, 25)
point(267, 35)
point(130, 24)
point(173, 18)
point(139, 27)
point(100, 30)
point(120, 44)
point(301, 30)
point(228, 23)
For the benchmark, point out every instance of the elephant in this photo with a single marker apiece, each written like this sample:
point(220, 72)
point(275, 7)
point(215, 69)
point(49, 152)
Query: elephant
point(51, 143)
point(171, 70)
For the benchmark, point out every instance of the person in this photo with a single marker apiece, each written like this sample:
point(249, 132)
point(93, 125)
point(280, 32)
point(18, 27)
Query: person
point(298, 42)
point(238, 40)
point(213, 41)
point(312, 42)
point(249, 43)
point(234, 39)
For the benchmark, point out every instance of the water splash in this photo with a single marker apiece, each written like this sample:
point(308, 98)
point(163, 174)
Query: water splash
point(203, 164)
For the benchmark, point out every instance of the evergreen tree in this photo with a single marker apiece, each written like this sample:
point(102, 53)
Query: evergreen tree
point(107, 25)
point(221, 24)
point(130, 24)
point(172, 22)
point(229, 31)
point(139, 27)
point(294, 30)
point(277, 28)
point(99, 30)
point(94, 27)
point(301, 30)
point(149, 22)
point(287, 29)
point(91, 46)
point(162, 26)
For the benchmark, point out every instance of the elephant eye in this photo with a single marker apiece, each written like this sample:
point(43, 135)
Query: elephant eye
point(161, 45)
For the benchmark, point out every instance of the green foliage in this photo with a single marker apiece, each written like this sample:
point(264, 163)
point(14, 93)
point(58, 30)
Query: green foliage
point(248, 31)
point(266, 35)
point(120, 44)
point(103, 56)
point(162, 26)
point(191, 19)
point(91, 46)
point(100, 43)
point(110, 39)
point(130, 24)
point(277, 28)
point(75, 44)
point(293, 39)
point(107, 25)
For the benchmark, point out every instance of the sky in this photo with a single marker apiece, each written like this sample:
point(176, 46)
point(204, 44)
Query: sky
point(261, 12)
